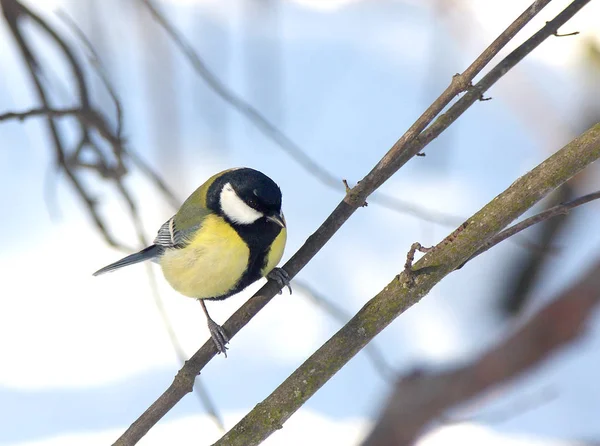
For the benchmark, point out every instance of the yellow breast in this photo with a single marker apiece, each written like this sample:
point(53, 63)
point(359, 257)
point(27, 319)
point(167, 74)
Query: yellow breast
point(211, 264)
point(275, 253)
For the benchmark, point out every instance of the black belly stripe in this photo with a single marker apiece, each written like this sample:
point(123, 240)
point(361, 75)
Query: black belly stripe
point(259, 237)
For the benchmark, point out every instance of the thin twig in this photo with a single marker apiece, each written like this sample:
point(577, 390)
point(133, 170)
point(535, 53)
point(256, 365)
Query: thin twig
point(14, 12)
point(84, 115)
point(561, 209)
point(524, 404)
point(409, 273)
point(41, 112)
point(95, 61)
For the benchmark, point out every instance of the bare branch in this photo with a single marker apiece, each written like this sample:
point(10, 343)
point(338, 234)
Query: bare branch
point(42, 111)
point(95, 61)
point(98, 125)
point(14, 13)
point(419, 399)
point(554, 211)
point(524, 404)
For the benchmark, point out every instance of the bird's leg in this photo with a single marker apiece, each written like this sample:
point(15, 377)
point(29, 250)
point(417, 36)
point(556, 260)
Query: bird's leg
point(217, 333)
point(281, 277)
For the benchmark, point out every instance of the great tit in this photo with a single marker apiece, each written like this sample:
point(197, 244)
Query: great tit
point(229, 233)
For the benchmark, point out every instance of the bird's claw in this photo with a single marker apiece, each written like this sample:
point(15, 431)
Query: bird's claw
point(281, 277)
point(218, 336)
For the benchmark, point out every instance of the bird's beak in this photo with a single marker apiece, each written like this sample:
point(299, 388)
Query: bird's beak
point(278, 219)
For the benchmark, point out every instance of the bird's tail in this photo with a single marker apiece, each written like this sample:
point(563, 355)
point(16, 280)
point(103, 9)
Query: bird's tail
point(145, 254)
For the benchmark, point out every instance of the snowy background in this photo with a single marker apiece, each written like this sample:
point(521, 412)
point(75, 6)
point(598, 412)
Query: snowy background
point(82, 356)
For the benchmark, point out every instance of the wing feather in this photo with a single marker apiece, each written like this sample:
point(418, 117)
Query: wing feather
point(169, 236)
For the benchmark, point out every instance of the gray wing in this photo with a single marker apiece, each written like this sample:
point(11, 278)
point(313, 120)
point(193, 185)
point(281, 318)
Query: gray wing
point(170, 237)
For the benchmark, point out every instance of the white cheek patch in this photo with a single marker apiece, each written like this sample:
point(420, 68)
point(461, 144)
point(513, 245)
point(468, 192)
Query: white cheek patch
point(235, 209)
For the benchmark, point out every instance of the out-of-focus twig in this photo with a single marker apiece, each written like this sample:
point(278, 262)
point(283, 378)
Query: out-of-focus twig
point(41, 112)
point(524, 404)
point(155, 178)
point(561, 209)
point(89, 120)
point(269, 129)
point(96, 62)
point(420, 398)
point(238, 103)
point(84, 115)
point(527, 268)
point(199, 387)
point(376, 356)
point(14, 14)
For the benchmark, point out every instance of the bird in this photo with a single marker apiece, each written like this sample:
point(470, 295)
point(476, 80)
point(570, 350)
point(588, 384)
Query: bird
point(228, 233)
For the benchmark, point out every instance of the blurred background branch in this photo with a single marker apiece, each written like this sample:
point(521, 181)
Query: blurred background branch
point(375, 355)
point(421, 397)
point(74, 159)
point(299, 155)
point(69, 159)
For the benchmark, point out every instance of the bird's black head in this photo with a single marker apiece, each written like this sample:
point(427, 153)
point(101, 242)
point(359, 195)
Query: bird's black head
point(244, 195)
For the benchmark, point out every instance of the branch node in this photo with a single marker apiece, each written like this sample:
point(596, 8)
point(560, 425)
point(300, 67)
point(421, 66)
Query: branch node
point(574, 33)
point(477, 89)
point(461, 82)
point(184, 379)
point(556, 33)
point(410, 257)
point(349, 189)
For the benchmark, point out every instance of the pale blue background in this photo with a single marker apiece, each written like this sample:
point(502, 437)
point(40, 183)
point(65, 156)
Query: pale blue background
point(82, 357)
